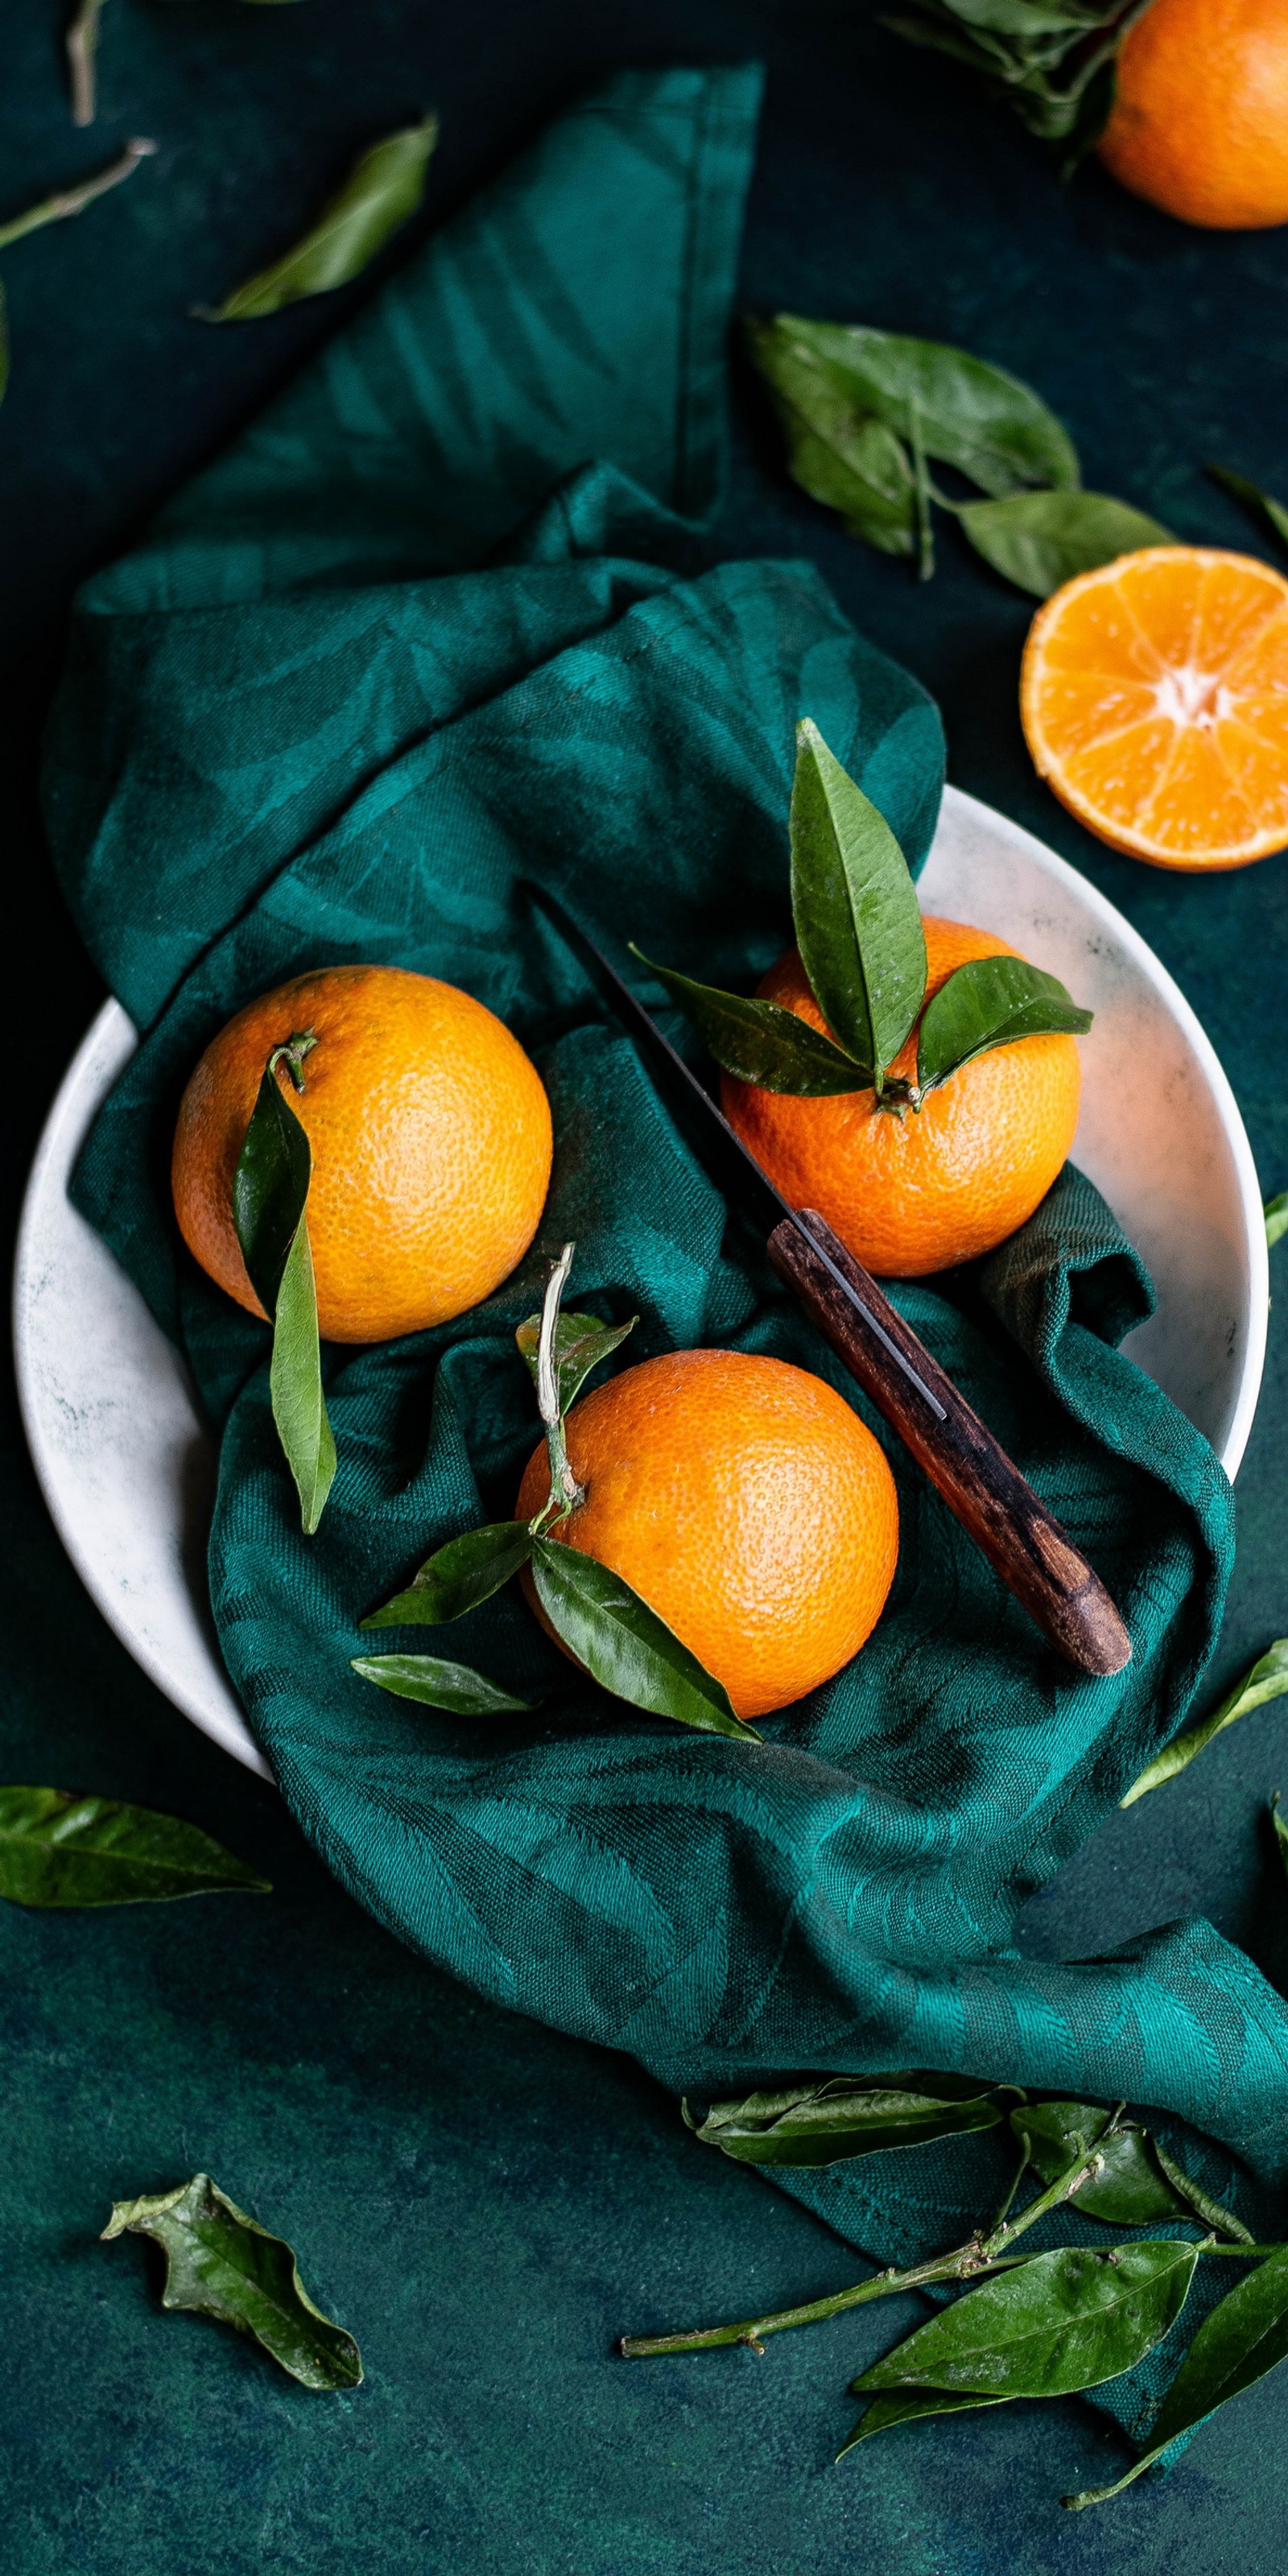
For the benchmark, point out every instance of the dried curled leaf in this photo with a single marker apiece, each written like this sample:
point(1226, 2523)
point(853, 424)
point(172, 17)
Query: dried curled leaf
point(383, 190)
point(844, 2116)
point(227, 2266)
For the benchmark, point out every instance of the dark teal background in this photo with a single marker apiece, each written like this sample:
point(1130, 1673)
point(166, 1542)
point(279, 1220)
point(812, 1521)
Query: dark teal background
point(485, 2205)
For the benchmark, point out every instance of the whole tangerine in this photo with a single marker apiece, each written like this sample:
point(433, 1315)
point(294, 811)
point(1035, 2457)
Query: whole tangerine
point(431, 1141)
point(746, 1503)
point(1199, 123)
point(911, 1190)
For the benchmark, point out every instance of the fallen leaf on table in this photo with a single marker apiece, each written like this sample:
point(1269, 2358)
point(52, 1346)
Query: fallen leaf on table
point(226, 2265)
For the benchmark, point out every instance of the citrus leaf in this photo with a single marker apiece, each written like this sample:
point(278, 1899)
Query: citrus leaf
point(886, 2411)
point(1266, 1679)
point(961, 410)
point(1276, 1215)
point(1262, 504)
point(382, 190)
point(437, 1684)
point(1018, 47)
point(1242, 2339)
point(844, 2116)
point(580, 1343)
point(295, 1383)
point(836, 451)
point(761, 1042)
point(1039, 540)
point(989, 1002)
point(56, 1849)
point(624, 1645)
point(226, 2265)
point(270, 1188)
point(457, 1577)
point(1061, 2322)
point(1130, 2190)
point(854, 905)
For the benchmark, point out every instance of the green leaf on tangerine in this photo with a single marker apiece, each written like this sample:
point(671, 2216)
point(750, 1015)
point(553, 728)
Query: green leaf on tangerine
point(989, 1002)
point(1061, 2322)
point(883, 2412)
point(1039, 540)
point(1266, 1679)
point(457, 1577)
point(383, 189)
point(844, 2116)
point(56, 1849)
point(855, 908)
point(1276, 1216)
point(227, 2266)
point(580, 1343)
point(270, 1188)
point(295, 1383)
point(624, 1645)
point(1235, 2346)
point(761, 1042)
point(455, 1687)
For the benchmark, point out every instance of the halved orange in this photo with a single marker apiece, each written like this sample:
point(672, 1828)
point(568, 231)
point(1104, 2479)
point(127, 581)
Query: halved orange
point(1154, 699)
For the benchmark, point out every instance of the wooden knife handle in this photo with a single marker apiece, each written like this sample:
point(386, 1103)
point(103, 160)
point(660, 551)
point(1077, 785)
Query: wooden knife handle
point(991, 1499)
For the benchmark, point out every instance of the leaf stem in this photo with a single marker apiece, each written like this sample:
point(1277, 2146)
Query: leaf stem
point(925, 531)
point(72, 201)
point(292, 1054)
point(565, 1492)
point(82, 51)
point(966, 2261)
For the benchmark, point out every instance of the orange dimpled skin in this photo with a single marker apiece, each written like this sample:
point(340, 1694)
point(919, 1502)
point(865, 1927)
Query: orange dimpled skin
point(1199, 123)
point(430, 1135)
point(918, 1190)
point(1154, 699)
point(747, 1505)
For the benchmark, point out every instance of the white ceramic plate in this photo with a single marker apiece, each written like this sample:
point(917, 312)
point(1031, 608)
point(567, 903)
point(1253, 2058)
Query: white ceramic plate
point(128, 1470)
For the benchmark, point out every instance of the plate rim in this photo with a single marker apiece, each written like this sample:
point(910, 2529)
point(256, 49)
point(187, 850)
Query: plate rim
point(1165, 985)
point(226, 1725)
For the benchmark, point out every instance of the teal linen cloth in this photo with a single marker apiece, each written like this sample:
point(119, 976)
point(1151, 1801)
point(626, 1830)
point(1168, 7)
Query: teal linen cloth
point(443, 619)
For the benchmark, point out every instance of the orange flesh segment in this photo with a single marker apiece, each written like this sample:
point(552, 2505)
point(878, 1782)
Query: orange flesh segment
point(1154, 698)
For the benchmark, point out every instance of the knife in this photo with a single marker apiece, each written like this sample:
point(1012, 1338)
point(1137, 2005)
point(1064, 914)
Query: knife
point(1022, 1540)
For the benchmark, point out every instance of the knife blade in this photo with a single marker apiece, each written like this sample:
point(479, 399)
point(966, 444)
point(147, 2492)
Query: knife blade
point(982, 1487)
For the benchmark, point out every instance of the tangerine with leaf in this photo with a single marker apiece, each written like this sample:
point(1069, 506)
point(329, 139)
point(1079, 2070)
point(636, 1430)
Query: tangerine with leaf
point(429, 1135)
point(916, 1082)
point(710, 1535)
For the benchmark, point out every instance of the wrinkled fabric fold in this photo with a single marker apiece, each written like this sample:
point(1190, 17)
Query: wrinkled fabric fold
point(445, 620)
